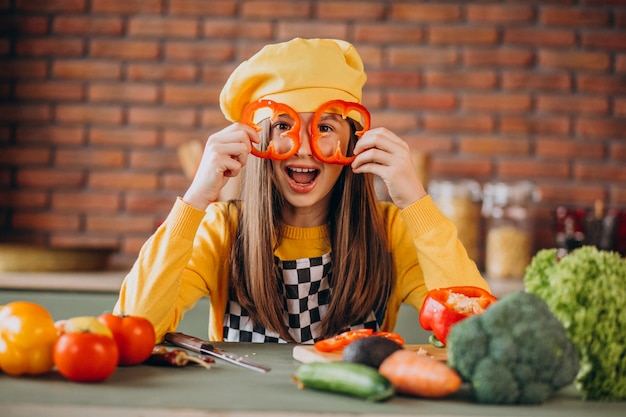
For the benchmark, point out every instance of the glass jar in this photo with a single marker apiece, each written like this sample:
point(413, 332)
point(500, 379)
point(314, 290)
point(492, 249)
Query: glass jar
point(507, 208)
point(459, 201)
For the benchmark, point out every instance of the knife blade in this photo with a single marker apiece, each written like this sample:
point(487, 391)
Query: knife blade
point(200, 346)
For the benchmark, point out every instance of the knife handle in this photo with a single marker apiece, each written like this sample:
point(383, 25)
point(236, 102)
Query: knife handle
point(189, 342)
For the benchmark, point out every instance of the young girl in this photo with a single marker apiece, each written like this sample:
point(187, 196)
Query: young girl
point(307, 251)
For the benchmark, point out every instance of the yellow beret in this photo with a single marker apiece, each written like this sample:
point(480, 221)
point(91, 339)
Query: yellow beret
point(302, 73)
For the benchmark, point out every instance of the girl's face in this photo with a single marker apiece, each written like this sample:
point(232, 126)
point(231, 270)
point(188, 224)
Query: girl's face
point(304, 181)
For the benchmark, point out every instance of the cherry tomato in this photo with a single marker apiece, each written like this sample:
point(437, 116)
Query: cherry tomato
point(134, 335)
point(86, 356)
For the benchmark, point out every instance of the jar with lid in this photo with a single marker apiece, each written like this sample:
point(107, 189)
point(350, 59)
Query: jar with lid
point(459, 201)
point(507, 208)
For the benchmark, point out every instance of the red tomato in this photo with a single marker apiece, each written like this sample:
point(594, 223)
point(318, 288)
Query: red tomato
point(134, 335)
point(86, 356)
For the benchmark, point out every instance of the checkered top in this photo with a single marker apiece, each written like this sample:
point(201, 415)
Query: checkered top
point(306, 291)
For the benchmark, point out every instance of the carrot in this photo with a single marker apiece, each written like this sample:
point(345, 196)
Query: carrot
point(419, 375)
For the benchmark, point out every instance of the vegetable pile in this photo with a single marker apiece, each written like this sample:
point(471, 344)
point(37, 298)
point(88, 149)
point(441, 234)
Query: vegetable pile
point(586, 290)
point(517, 351)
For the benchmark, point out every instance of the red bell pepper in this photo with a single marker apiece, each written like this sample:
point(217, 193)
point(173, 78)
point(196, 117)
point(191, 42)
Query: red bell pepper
point(344, 107)
point(342, 340)
point(444, 307)
point(277, 110)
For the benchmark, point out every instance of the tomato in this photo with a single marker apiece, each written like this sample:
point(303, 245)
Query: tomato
point(86, 350)
point(134, 335)
point(86, 356)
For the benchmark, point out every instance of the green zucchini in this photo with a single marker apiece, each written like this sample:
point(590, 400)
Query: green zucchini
point(353, 379)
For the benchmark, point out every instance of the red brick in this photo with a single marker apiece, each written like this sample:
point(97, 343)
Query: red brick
point(604, 40)
point(85, 113)
point(574, 60)
point(494, 145)
point(42, 6)
point(203, 7)
point(461, 80)
point(125, 137)
point(417, 57)
point(535, 125)
point(556, 38)
point(372, 56)
point(31, 25)
point(460, 35)
point(498, 103)
point(175, 181)
point(120, 181)
point(599, 172)
point(275, 9)
point(90, 158)
point(49, 90)
point(218, 28)
point(526, 80)
point(81, 240)
point(431, 142)
point(87, 25)
point(20, 112)
point(126, 6)
point(49, 178)
point(163, 27)
point(447, 166)
point(56, 135)
point(420, 100)
point(86, 201)
point(125, 49)
point(500, 57)
point(393, 78)
point(425, 13)
point(199, 51)
point(576, 194)
point(617, 196)
point(619, 107)
point(20, 68)
point(19, 156)
point(528, 168)
point(45, 221)
point(572, 16)
point(454, 123)
point(620, 63)
point(568, 148)
point(173, 138)
point(119, 224)
point(289, 29)
point(350, 10)
point(143, 202)
point(398, 121)
point(88, 70)
point(600, 84)
point(214, 119)
point(158, 160)
point(572, 104)
point(617, 151)
point(384, 33)
point(601, 128)
point(49, 47)
point(123, 93)
point(162, 72)
point(24, 199)
point(154, 116)
point(191, 95)
point(508, 14)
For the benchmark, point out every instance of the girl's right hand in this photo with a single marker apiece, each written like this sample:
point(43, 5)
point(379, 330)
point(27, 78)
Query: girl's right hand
point(225, 153)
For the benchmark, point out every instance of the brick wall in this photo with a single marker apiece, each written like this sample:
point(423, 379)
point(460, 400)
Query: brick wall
point(96, 95)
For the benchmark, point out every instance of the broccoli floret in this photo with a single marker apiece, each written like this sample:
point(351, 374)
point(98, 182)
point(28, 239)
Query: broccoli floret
point(517, 351)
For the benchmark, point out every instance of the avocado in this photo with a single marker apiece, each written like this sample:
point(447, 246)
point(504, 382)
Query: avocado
point(370, 351)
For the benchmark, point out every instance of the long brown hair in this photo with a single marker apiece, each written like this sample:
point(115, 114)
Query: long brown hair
point(362, 271)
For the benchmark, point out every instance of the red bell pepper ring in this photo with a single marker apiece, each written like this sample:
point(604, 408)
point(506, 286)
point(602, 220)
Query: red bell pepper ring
point(342, 340)
point(344, 107)
point(444, 307)
point(277, 110)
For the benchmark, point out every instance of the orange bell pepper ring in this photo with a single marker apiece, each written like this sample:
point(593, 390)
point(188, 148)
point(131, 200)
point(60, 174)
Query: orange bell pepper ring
point(343, 108)
point(277, 110)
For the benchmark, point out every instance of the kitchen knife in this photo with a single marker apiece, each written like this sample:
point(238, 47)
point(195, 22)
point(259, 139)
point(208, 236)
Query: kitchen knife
point(200, 346)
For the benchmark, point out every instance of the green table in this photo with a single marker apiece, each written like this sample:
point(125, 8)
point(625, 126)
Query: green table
point(226, 390)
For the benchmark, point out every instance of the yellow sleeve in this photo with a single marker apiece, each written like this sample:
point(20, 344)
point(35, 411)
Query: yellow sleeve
point(427, 254)
point(180, 263)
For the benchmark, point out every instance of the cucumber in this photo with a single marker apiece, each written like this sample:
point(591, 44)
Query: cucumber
point(353, 379)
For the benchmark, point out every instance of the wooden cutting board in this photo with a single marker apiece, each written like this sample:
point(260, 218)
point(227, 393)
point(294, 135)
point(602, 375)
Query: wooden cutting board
point(308, 353)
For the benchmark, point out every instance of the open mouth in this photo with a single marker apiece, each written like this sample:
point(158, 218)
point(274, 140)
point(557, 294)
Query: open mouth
point(302, 176)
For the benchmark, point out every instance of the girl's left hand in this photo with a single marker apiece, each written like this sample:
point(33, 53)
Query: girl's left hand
point(382, 153)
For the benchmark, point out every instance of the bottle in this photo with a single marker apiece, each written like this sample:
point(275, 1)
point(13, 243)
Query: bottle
point(459, 201)
point(507, 208)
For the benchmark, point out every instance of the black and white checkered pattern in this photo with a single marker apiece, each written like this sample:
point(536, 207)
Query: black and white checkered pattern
point(306, 291)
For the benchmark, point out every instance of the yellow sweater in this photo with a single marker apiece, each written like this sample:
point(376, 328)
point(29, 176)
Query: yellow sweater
point(187, 258)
